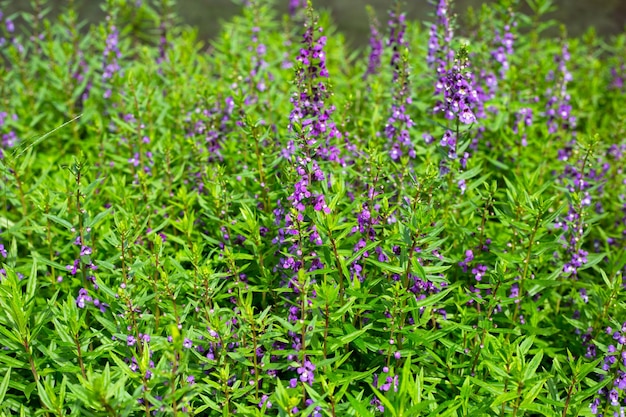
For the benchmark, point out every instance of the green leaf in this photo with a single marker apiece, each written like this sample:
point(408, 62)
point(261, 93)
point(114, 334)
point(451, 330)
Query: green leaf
point(505, 397)
point(347, 338)
point(31, 283)
point(407, 385)
point(359, 406)
point(525, 345)
point(531, 394)
point(123, 366)
point(4, 385)
point(60, 221)
point(435, 298)
point(44, 394)
point(531, 368)
point(385, 266)
point(93, 222)
point(470, 173)
point(466, 390)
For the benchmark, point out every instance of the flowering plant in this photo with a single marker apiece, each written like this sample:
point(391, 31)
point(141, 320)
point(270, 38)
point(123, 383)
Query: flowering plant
point(275, 225)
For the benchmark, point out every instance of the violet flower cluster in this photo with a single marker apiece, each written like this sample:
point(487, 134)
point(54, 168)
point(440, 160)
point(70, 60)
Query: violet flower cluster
point(576, 177)
point(585, 180)
point(3, 250)
point(523, 120)
point(440, 54)
point(7, 28)
point(502, 48)
point(260, 76)
point(375, 45)
point(478, 271)
point(396, 40)
point(559, 118)
point(487, 82)
point(7, 31)
point(140, 160)
point(367, 219)
point(399, 122)
point(310, 110)
point(84, 261)
point(207, 127)
point(163, 46)
point(110, 58)
point(81, 72)
point(558, 108)
point(613, 396)
point(458, 102)
point(384, 382)
point(572, 224)
point(459, 97)
point(217, 343)
point(455, 88)
point(618, 74)
point(8, 137)
point(295, 6)
point(311, 120)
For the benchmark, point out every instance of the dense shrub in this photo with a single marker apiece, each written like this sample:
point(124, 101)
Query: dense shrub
point(275, 224)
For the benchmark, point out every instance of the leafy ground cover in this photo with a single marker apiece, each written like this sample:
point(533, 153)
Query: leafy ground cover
point(274, 224)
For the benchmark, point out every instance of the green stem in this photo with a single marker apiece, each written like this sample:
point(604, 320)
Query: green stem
point(526, 265)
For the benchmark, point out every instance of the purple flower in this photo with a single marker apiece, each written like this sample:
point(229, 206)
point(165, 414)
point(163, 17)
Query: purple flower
point(320, 204)
point(514, 291)
point(618, 76)
point(377, 405)
point(295, 5)
point(594, 405)
point(100, 305)
point(306, 372)
point(459, 96)
point(83, 298)
point(74, 267)
point(557, 107)
point(439, 52)
point(469, 257)
point(467, 116)
point(134, 161)
point(265, 401)
point(310, 111)
point(10, 138)
point(111, 56)
point(396, 40)
point(462, 185)
point(479, 272)
point(375, 43)
point(614, 397)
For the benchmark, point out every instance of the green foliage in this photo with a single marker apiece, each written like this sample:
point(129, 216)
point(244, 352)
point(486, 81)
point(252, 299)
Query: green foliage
point(156, 259)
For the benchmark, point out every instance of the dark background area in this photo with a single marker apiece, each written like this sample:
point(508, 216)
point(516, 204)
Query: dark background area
point(607, 16)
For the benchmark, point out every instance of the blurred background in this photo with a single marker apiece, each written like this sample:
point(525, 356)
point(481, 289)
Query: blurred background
point(607, 16)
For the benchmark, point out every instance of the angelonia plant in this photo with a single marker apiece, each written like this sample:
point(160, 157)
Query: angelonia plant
point(279, 223)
